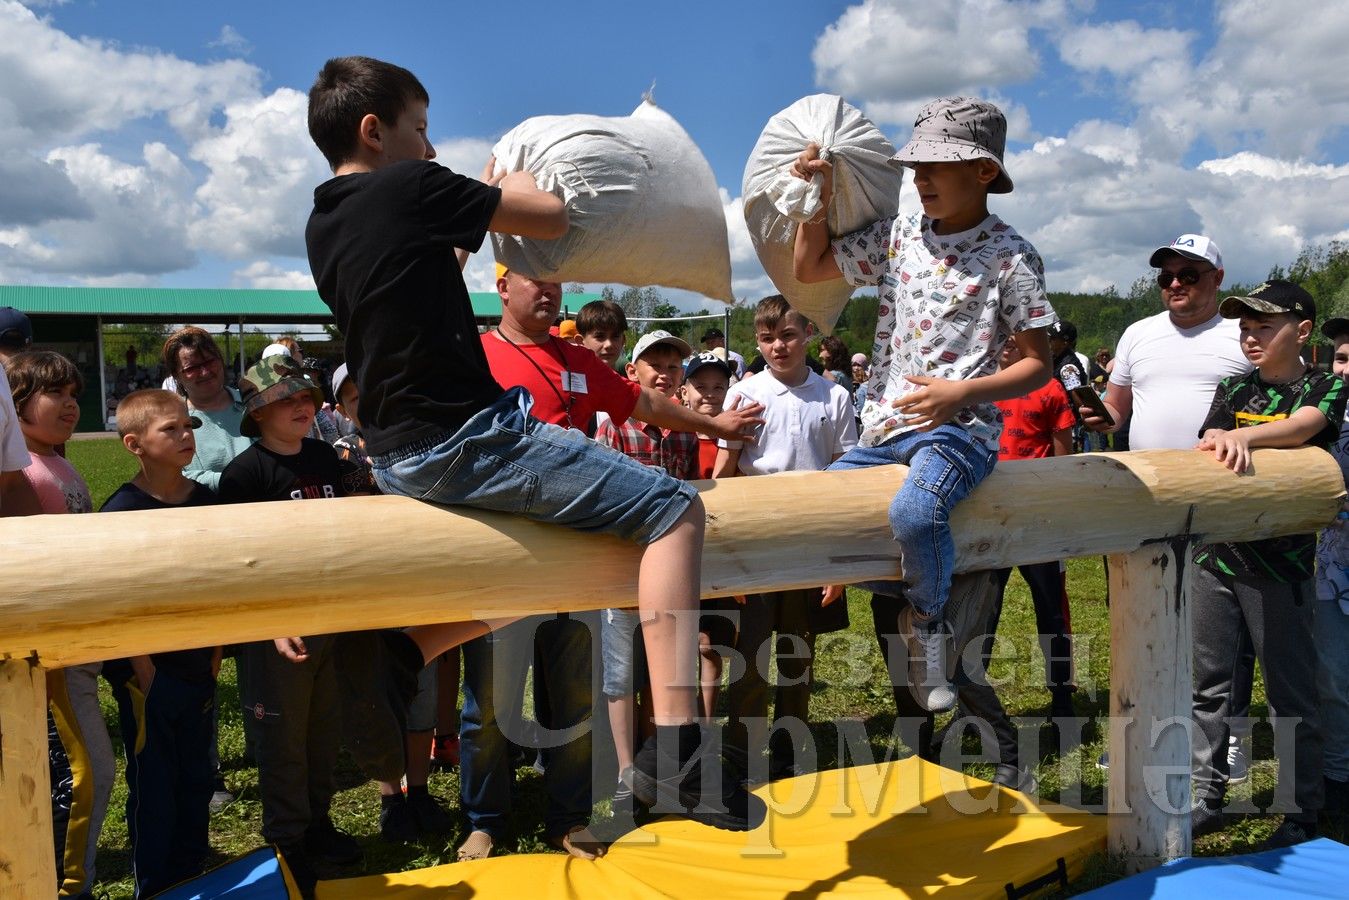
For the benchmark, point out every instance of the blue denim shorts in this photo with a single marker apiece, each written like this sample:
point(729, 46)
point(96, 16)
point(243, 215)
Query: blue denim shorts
point(624, 652)
point(502, 459)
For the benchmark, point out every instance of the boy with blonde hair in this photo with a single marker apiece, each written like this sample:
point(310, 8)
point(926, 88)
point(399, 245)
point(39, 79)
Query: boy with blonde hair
point(808, 423)
point(954, 282)
point(169, 774)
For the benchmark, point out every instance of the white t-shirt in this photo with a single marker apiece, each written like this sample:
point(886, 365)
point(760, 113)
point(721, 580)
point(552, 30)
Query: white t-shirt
point(948, 302)
point(13, 451)
point(804, 428)
point(1174, 372)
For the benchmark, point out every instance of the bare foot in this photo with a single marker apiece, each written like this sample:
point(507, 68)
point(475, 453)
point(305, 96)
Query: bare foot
point(478, 845)
point(578, 842)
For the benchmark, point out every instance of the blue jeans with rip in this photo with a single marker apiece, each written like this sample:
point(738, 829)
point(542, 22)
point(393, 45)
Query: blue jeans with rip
point(559, 647)
point(945, 464)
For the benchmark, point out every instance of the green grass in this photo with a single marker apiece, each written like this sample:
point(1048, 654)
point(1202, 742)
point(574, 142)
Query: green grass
point(851, 684)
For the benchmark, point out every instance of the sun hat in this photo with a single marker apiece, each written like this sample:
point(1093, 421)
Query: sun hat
point(953, 129)
point(272, 379)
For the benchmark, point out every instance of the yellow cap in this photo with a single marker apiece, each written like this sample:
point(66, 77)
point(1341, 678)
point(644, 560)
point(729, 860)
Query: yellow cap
point(566, 329)
point(501, 270)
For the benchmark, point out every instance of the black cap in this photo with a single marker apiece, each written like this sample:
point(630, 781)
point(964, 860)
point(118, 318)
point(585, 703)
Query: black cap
point(713, 333)
point(1335, 328)
point(15, 328)
point(1273, 296)
point(1064, 330)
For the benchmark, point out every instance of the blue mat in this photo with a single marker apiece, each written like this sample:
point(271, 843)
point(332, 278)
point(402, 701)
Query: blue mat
point(261, 875)
point(1317, 868)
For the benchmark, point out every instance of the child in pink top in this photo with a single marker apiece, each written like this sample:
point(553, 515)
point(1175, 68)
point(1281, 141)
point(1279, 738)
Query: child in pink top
point(45, 386)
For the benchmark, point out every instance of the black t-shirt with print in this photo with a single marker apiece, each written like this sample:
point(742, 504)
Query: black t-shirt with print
point(381, 247)
point(315, 473)
point(186, 665)
point(1243, 401)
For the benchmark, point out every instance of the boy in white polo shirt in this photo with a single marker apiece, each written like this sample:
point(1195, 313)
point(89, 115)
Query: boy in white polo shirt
point(808, 423)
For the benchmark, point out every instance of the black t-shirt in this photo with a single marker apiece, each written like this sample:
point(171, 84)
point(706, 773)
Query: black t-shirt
point(1242, 401)
point(381, 247)
point(315, 473)
point(185, 665)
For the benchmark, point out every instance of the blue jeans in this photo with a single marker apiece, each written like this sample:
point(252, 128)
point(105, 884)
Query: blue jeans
point(945, 464)
point(1332, 654)
point(504, 460)
point(494, 681)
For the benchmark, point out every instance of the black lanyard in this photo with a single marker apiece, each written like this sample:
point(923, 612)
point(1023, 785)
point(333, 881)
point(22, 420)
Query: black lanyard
point(567, 401)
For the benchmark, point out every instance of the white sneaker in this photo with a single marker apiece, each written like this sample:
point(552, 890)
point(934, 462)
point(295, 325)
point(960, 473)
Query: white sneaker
point(1238, 767)
point(925, 643)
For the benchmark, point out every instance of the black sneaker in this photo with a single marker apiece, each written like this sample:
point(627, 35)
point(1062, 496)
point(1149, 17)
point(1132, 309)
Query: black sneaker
point(658, 783)
point(325, 843)
point(396, 822)
point(1288, 834)
point(1016, 778)
point(300, 866)
point(1206, 818)
point(430, 816)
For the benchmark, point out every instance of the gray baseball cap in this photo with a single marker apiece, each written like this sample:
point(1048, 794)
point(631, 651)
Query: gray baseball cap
point(952, 129)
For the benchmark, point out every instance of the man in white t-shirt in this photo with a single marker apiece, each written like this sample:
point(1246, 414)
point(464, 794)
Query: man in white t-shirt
point(1166, 369)
point(1168, 365)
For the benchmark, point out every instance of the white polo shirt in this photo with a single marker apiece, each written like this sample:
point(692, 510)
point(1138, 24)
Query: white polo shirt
point(804, 428)
point(1174, 372)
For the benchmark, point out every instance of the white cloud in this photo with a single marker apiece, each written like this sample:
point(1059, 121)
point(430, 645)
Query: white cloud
point(1122, 48)
point(265, 275)
point(892, 55)
point(232, 41)
point(467, 156)
point(262, 171)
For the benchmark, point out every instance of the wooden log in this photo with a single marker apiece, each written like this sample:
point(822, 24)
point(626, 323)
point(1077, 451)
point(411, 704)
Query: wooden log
point(27, 861)
point(1148, 797)
point(110, 585)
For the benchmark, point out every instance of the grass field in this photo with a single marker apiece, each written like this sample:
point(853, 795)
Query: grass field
point(851, 685)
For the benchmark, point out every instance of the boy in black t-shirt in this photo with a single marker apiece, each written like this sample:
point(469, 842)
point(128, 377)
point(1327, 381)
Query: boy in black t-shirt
point(164, 700)
point(382, 241)
point(289, 687)
point(1263, 587)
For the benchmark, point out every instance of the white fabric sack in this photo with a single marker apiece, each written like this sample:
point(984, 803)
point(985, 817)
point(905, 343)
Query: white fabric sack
point(641, 198)
point(866, 188)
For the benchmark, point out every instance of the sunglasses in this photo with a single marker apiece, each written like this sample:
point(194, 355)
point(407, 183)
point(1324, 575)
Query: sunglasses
point(1186, 276)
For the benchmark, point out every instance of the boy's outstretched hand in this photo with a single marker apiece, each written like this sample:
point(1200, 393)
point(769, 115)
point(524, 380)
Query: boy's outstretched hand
point(292, 648)
point(935, 403)
point(736, 423)
point(830, 593)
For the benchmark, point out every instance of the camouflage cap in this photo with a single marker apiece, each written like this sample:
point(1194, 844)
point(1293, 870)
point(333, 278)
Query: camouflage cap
point(952, 129)
point(274, 378)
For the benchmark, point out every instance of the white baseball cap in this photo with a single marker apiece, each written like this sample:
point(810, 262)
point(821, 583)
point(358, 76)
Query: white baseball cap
point(1191, 246)
point(652, 338)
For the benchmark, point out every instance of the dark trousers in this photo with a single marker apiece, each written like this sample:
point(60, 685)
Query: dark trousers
point(1277, 617)
point(297, 726)
point(169, 777)
point(789, 614)
point(495, 666)
point(1053, 623)
point(978, 702)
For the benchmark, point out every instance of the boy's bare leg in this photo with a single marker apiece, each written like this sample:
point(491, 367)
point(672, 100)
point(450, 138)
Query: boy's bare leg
point(668, 585)
point(709, 677)
point(623, 723)
point(434, 640)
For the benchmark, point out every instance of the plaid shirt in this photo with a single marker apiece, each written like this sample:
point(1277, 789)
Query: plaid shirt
point(674, 451)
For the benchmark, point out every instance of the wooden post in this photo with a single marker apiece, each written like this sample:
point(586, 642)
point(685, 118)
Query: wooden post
point(1148, 794)
point(27, 858)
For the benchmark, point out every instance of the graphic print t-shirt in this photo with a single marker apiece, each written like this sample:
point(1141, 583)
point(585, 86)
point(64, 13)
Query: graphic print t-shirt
point(315, 473)
point(1244, 401)
point(1029, 423)
point(59, 488)
point(948, 302)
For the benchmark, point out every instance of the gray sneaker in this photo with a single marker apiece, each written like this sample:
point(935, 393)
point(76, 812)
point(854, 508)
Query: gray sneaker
point(925, 643)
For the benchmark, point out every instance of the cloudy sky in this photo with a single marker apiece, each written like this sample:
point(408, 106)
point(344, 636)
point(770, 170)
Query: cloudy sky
point(164, 143)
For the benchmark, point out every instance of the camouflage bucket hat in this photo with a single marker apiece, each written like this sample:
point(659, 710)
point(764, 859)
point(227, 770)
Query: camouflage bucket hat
point(954, 129)
point(274, 378)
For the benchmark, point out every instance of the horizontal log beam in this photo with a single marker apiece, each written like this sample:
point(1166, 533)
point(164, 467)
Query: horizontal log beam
point(110, 585)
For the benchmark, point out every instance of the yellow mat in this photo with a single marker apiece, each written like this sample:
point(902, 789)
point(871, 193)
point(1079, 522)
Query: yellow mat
point(902, 829)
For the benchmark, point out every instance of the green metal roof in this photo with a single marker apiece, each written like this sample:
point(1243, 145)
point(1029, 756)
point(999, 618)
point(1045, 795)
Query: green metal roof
point(202, 304)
